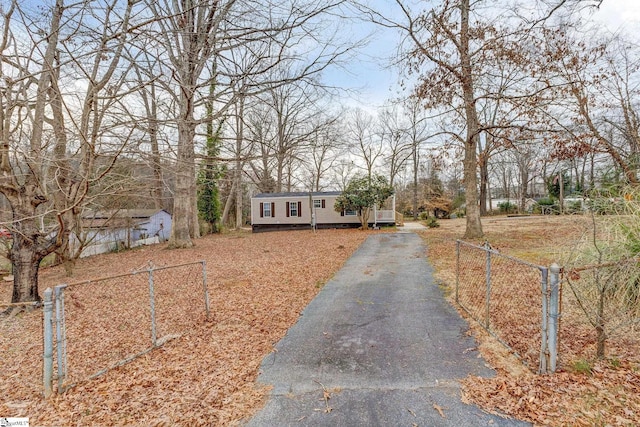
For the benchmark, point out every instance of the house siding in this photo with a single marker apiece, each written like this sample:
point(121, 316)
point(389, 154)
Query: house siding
point(326, 217)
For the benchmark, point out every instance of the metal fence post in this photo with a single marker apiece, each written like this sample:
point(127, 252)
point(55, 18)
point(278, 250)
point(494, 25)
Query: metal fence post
point(152, 304)
point(47, 372)
point(544, 346)
point(204, 286)
point(488, 283)
point(554, 313)
point(61, 336)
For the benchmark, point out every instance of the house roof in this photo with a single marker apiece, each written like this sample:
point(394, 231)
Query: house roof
point(297, 194)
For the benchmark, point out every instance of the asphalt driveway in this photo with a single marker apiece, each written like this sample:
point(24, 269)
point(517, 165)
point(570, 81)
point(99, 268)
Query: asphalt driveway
point(378, 346)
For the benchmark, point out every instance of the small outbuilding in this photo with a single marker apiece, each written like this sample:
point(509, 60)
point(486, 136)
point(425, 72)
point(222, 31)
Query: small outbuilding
point(123, 228)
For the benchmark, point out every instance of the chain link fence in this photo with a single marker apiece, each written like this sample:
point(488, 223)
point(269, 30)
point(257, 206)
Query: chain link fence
point(104, 323)
point(551, 317)
point(511, 299)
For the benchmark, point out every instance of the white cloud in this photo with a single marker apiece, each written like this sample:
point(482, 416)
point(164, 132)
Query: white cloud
point(618, 15)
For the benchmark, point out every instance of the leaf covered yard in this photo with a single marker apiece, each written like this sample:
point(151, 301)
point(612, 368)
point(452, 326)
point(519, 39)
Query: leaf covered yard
point(258, 284)
point(584, 391)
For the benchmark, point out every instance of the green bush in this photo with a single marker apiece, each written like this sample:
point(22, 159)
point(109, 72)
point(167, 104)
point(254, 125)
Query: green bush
point(608, 291)
point(606, 206)
point(424, 215)
point(432, 222)
point(545, 206)
point(507, 207)
point(547, 201)
point(574, 207)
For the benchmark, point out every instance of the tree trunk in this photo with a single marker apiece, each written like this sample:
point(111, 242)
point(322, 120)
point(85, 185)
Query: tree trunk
point(505, 184)
point(239, 165)
point(194, 222)
point(473, 224)
point(484, 183)
point(26, 263)
point(364, 218)
point(489, 198)
point(182, 212)
point(227, 205)
point(183, 209)
point(415, 181)
point(279, 172)
point(156, 189)
point(524, 178)
point(24, 196)
point(28, 249)
point(601, 336)
point(239, 195)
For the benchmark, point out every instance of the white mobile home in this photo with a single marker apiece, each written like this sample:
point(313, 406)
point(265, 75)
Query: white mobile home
point(304, 210)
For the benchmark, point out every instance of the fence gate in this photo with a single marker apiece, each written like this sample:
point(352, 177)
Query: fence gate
point(107, 322)
point(515, 301)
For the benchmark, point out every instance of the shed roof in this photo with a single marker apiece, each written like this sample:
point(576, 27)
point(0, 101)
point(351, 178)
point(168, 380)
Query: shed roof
point(121, 213)
point(118, 218)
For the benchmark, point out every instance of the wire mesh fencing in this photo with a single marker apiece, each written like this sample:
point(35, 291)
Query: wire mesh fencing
point(104, 323)
point(510, 298)
point(601, 311)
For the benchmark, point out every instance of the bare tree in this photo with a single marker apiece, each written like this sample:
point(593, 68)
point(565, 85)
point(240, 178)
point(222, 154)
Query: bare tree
point(327, 146)
point(450, 45)
point(190, 32)
point(197, 32)
point(596, 86)
point(295, 110)
point(418, 134)
point(434, 40)
point(260, 127)
point(148, 68)
point(363, 141)
point(56, 120)
point(394, 134)
point(526, 157)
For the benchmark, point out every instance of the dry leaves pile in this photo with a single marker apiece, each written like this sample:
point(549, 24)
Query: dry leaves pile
point(605, 393)
point(258, 285)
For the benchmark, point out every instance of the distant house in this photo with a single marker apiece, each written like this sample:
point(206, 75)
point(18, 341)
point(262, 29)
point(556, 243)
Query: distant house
point(303, 210)
point(109, 230)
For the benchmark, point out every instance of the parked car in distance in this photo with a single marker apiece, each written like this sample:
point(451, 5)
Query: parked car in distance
point(5, 234)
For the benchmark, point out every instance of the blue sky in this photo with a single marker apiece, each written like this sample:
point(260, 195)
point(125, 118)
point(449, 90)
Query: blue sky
point(376, 81)
point(370, 71)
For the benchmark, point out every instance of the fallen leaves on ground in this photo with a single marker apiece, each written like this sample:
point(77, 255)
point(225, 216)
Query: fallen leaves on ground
point(258, 285)
point(608, 395)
